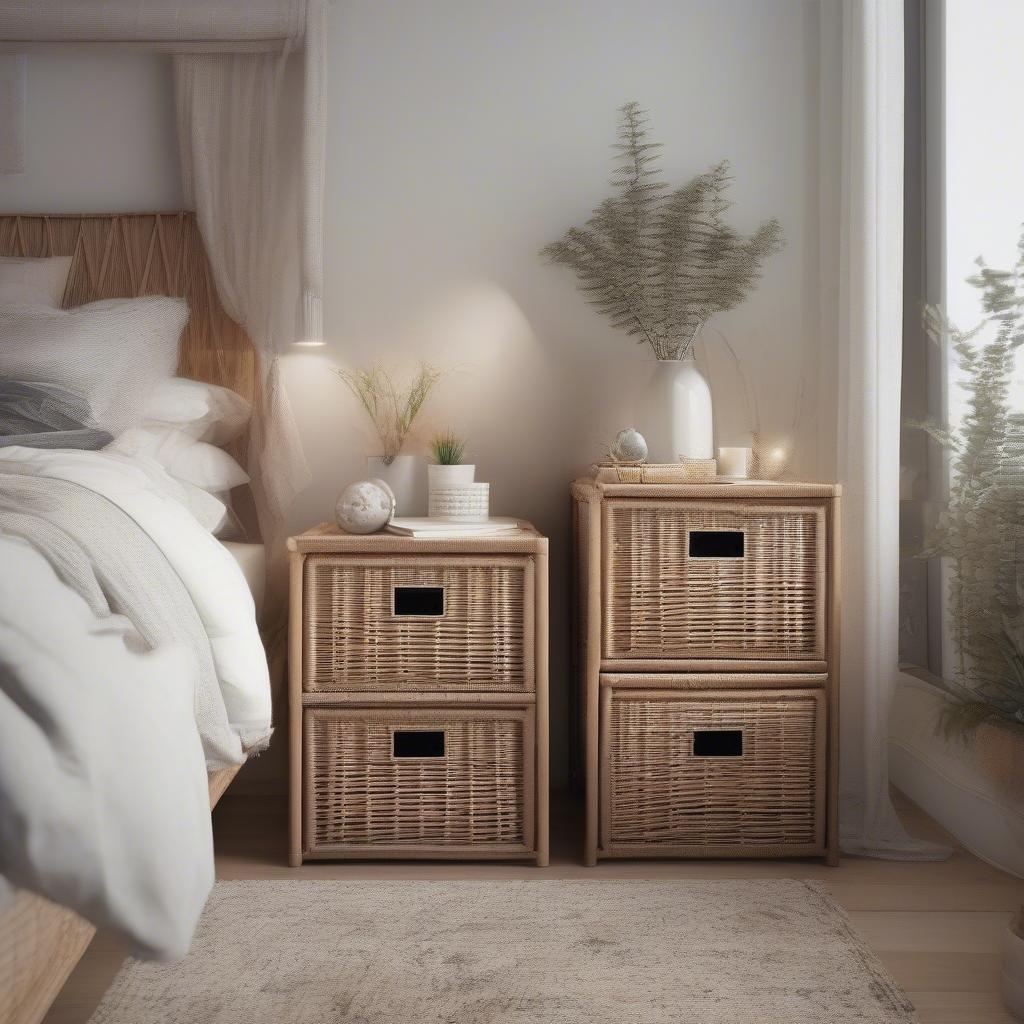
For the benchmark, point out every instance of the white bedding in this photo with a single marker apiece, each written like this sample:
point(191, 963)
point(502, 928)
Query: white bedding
point(103, 797)
point(212, 577)
point(104, 806)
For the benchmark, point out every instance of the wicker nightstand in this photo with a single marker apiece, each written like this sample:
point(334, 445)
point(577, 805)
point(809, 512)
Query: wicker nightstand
point(707, 658)
point(418, 696)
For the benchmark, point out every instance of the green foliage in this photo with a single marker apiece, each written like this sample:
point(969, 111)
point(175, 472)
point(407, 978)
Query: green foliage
point(981, 531)
point(448, 449)
point(391, 410)
point(659, 263)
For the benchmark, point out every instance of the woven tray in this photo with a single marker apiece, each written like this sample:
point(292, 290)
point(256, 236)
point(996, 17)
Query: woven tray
point(686, 471)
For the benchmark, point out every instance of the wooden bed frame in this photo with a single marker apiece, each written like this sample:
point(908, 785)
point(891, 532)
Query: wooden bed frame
point(41, 942)
point(116, 256)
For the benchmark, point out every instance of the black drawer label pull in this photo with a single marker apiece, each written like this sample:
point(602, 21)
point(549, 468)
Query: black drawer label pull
point(715, 543)
point(717, 742)
point(417, 743)
point(428, 601)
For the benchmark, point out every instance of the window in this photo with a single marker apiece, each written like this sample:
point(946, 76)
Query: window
point(964, 200)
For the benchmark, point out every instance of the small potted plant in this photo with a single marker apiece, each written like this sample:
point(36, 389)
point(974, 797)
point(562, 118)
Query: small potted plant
point(453, 493)
point(448, 469)
point(392, 411)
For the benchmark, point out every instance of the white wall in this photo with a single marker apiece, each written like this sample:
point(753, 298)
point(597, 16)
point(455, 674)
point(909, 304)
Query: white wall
point(100, 137)
point(463, 136)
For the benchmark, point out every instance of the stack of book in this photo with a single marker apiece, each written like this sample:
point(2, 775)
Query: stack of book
point(437, 528)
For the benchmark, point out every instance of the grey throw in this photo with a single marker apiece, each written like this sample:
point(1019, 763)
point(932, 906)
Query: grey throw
point(101, 553)
point(35, 414)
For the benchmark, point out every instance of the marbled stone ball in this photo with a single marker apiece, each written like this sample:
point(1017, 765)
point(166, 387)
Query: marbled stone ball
point(630, 446)
point(365, 507)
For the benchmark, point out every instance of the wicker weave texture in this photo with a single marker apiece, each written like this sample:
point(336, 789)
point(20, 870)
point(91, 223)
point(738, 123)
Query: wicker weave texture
point(661, 603)
point(657, 791)
point(359, 794)
point(683, 471)
point(354, 640)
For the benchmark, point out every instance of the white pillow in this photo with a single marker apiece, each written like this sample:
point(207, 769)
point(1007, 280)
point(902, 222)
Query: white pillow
point(206, 473)
point(205, 412)
point(35, 281)
point(114, 352)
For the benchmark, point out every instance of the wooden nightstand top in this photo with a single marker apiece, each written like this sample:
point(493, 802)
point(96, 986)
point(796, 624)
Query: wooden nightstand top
point(329, 538)
point(726, 489)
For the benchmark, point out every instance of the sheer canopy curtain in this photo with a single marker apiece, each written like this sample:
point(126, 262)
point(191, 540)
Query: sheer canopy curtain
point(254, 198)
point(229, 108)
point(869, 264)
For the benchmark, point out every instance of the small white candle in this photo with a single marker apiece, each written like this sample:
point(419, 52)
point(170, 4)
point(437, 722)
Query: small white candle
point(734, 462)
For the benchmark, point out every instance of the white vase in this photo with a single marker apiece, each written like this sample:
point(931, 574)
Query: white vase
point(678, 413)
point(406, 477)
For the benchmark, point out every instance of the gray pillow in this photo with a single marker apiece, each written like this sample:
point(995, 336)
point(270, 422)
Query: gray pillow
point(34, 414)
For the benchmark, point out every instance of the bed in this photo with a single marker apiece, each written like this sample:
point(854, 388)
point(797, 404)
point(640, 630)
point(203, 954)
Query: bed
point(119, 256)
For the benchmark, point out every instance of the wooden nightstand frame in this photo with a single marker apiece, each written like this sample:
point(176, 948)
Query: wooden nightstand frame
point(589, 499)
point(329, 539)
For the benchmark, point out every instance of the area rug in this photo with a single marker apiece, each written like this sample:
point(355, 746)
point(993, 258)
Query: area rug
point(506, 952)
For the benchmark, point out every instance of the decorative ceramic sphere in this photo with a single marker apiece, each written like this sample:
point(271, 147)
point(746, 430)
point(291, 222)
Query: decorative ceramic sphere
point(365, 507)
point(629, 446)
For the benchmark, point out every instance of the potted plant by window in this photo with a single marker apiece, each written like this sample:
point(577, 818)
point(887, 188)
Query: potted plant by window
point(658, 263)
point(969, 775)
point(392, 411)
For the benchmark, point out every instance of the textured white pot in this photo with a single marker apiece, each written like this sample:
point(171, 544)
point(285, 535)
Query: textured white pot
point(444, 477)
point(678, 413)
point(1013, 971)
point(406, 477)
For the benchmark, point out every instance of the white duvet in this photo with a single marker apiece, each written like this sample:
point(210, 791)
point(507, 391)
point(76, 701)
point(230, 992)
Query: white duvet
point(103, 788)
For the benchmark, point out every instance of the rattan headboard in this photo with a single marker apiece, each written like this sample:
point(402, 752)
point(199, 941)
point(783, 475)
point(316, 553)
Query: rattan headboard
point(124, 255)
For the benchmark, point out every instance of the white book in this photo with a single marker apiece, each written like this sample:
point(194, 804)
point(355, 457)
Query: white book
point(443, 529)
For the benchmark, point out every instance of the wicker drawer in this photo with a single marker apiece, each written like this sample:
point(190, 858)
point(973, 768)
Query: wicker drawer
point(716, 580)
point(428, 782)
point(417, 623)
point(712, 773)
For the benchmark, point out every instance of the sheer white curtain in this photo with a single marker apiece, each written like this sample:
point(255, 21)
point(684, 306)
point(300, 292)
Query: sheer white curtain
point(870, 339)
point(229, 106)
point(255, 199)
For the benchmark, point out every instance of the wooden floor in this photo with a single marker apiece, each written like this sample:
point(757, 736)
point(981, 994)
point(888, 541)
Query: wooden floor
point(936, 926)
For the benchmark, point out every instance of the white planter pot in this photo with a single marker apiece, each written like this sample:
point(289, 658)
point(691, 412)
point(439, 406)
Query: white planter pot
point(678, 413)
point(1013, 972)
point(406, 477)
point(444, 477)
point(467, 504)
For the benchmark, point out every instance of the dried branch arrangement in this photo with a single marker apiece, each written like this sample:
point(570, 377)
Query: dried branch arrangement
point(391, 409)
point(659, 263)
point(981, 531)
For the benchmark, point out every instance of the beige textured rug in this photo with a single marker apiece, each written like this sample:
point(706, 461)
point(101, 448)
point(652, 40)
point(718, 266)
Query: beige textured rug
point(533, 952)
